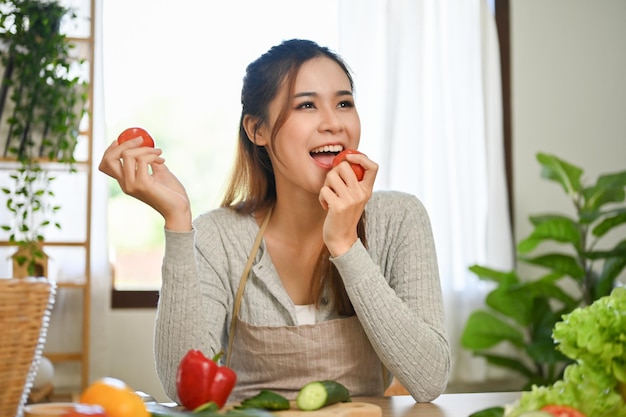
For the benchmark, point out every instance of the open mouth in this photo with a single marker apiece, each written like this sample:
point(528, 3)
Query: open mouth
point(324, 155)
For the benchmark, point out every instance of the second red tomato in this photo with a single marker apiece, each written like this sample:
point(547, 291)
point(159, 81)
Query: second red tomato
point(134, 132)
point(358, 169)
point(562, 411)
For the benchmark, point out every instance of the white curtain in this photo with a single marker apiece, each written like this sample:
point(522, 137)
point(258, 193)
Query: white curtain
point(428, 91)
point(100, 268)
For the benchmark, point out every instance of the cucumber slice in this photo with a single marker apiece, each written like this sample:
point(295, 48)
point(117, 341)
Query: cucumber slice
point(318, 394)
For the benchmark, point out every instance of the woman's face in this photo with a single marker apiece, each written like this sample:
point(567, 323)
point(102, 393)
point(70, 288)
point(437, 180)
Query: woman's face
point(323, 121)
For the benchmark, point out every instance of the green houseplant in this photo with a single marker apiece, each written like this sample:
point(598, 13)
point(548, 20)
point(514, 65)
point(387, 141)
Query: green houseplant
point(42, 100)
point(521, 312)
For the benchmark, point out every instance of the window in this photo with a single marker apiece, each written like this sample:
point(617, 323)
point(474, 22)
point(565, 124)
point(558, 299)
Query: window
point(177, 72)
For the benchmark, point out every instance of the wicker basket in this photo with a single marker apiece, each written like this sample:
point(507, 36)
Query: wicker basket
point(25, 307)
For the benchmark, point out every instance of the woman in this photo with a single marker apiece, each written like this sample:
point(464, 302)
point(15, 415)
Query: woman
point(342, 282)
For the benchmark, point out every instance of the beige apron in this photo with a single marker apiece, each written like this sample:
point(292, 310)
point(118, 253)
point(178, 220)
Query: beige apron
point(285, 358)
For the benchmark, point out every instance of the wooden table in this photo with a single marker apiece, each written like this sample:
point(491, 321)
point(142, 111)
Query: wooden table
point(447, 405)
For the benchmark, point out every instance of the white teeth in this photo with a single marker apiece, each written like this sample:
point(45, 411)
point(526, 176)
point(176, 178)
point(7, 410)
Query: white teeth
point(328, 148)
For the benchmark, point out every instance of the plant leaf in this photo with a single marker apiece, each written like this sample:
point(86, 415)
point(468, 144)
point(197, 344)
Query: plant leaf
point(604, 254)
point(555, 228)
point(564, 173)
point(609, 223)
point(542, 348)
point(612, 268)
point(488, 274)
point(507, 362)
point(597, 196)
point(617, 179)
point(513, 301)
point(608, 189)
point(546, 288)
point(566, 264)
point(484, 330)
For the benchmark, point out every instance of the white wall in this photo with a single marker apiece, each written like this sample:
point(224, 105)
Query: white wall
point(130, 352)
point(569, 98)
point(569, 95)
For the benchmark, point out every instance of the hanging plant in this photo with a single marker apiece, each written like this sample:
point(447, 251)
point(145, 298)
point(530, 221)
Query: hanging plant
point(42, 100)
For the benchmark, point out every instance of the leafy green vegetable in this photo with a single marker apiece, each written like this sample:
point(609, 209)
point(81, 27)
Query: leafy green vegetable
point(591, 392)
point(595, 337)
point(597, 334)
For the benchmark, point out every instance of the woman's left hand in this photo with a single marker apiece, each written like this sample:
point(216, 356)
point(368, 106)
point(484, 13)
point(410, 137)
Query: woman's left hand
point(344, 197)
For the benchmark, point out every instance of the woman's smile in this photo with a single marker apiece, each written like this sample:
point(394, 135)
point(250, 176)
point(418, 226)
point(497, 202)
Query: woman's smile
point(324, 155)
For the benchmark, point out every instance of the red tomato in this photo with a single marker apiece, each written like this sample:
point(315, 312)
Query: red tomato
point(562, 411)
point(358, 169)
point(134, 132)
point(86, 410)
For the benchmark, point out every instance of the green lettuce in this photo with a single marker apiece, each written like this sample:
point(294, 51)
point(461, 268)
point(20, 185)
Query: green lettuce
point(582, 387)
point(596, 334)
point(595, 337)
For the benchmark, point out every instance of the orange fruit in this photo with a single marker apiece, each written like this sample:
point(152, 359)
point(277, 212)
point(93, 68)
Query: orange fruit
point(117, 398)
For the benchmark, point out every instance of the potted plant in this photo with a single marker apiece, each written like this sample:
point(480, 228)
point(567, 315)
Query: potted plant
point(29, 202)
point(42, 100)
point(580, 266)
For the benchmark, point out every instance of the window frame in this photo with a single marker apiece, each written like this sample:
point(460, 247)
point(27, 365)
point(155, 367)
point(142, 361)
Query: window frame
point(133, 298)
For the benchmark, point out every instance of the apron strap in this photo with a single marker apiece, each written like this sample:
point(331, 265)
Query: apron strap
point(242, 283)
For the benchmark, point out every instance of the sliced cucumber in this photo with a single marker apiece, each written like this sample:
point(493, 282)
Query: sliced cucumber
point(318, 394)
point(536, 414)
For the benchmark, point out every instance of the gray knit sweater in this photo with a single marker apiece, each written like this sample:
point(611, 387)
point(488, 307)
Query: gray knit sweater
point(393, 285)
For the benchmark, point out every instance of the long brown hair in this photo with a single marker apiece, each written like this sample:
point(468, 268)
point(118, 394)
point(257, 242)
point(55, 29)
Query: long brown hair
point(252, 185)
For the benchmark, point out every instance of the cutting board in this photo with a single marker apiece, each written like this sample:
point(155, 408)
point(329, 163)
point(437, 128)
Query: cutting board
point(353, 409)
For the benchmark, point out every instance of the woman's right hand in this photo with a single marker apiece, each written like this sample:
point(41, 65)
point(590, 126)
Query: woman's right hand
point(141, 173)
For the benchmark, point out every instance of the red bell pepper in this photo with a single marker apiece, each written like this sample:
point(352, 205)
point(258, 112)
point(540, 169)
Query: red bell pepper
point(222, 386)
point(201, 380)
